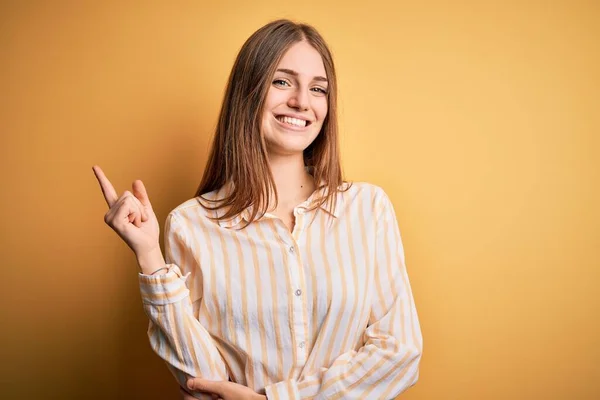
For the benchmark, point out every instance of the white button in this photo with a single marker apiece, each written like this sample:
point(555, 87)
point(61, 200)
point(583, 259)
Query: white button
point(301, 211)
point(298, 292)
point(301, 345)
point(292, 249)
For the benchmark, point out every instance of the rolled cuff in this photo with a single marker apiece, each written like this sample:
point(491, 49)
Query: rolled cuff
point(283, 390)
point(165, 288)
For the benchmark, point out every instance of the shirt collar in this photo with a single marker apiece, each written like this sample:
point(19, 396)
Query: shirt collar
point(244, 216)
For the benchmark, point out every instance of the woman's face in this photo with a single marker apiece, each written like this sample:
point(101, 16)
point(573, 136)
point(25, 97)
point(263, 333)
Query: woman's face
point(296, 103)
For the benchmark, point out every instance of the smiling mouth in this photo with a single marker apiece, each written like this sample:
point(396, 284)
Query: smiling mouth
point(295, 122)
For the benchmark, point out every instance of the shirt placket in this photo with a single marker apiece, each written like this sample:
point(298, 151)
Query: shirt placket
point(298, 297)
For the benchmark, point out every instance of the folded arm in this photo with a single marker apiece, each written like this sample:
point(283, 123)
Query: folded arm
point(388, 363)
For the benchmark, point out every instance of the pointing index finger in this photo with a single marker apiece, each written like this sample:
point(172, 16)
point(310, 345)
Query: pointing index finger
point(110, 195)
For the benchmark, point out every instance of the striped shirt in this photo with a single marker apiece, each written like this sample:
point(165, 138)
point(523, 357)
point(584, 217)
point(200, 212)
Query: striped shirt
point(324, 311)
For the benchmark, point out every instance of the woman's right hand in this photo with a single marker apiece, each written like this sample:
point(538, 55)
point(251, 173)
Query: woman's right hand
point(131, 216)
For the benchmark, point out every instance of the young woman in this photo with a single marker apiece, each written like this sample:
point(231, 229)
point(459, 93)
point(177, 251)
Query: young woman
point(281, 280)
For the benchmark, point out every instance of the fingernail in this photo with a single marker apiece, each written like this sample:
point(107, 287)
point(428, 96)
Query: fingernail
point(190, 384)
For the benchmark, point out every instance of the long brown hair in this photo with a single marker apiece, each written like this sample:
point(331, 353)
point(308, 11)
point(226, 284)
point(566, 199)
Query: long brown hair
point(239, 154)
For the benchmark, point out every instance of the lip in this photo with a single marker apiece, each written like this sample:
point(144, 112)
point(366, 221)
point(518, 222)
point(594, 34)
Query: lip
point(291, 127)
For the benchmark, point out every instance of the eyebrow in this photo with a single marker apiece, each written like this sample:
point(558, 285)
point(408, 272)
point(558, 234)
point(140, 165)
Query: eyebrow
point(294, 73)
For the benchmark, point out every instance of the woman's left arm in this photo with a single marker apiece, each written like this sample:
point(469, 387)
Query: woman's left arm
point(388, 363)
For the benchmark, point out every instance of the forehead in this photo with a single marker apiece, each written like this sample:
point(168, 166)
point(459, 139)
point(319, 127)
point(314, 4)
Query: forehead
point(304, 59)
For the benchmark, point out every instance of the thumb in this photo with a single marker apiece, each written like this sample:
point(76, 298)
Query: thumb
point(139, 191)
point(203, 385)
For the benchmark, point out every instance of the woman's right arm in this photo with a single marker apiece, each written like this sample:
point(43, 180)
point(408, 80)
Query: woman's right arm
point(175, 333)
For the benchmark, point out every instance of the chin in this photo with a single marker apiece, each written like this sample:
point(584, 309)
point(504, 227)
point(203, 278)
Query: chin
point(286, 150)
point(283, 143)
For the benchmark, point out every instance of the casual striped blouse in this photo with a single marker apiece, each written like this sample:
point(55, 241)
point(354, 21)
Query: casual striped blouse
point(324, 312)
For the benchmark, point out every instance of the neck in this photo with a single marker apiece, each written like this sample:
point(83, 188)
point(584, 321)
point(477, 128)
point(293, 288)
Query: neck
point(293, 183)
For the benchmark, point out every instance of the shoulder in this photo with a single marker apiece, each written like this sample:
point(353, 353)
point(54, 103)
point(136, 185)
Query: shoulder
point(363, 198)
point(355, 191)
point(196, 209)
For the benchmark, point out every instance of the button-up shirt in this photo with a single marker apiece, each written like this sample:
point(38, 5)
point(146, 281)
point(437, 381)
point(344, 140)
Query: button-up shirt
point(324, 311)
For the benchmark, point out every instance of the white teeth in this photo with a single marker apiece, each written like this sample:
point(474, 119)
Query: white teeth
point(292, 121)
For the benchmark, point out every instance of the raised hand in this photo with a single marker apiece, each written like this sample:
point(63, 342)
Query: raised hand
point(132, 217)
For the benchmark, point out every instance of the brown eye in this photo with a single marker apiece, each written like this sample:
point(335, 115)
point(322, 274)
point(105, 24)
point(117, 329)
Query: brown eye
point(280, 82)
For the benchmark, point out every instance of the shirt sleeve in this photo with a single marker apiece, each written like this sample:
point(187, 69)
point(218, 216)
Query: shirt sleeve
point(388, 362)
point(174, 331)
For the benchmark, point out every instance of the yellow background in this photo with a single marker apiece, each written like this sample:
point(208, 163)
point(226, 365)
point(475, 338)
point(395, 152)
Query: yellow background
point(480, 119)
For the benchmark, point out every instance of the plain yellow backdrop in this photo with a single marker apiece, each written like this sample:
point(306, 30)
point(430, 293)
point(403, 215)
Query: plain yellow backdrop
point(480, 119)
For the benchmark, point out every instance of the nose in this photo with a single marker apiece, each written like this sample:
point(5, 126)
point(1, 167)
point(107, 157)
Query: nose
point(299, 100)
